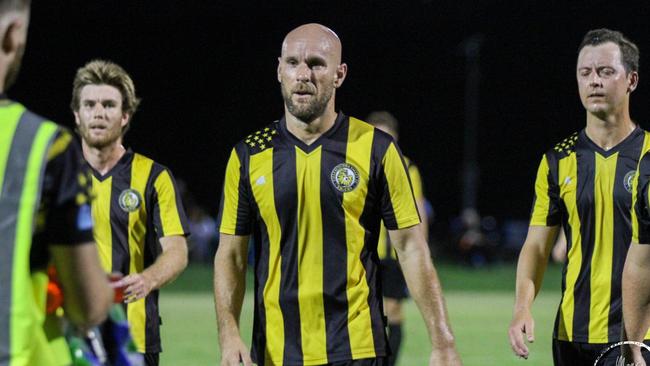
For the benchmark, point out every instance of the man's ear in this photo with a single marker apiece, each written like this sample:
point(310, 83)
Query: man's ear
point(14, 34)
point(341, 72)
point(633, 81)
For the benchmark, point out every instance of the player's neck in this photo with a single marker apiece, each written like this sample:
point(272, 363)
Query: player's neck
point(105, 158)
point(308, 132)
point(609, 131)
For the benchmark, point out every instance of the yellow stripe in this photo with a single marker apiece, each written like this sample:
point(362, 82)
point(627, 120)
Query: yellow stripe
point(101, 212)
point(401, 194)
point(603, 255)
point(383, 238)
point(231, 195)
point(9, 117)
point(261, 170)
point(360, 136)
point(169, 213)
point(136, 312)
point(310, 256)
point(542, 200)
point(567, 179)
point(416, 182)
point(59, 145)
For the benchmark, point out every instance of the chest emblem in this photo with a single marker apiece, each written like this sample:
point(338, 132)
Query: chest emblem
point(345, 177)
point(628, 180)
point(130, 200)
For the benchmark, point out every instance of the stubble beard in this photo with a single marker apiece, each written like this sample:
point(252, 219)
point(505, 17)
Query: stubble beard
point(307, 112)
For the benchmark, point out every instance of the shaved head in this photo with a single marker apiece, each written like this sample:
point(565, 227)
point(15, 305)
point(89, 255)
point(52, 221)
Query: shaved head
point(313, 32)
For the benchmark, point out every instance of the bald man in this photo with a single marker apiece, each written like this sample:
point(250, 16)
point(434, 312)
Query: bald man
point(314, 188)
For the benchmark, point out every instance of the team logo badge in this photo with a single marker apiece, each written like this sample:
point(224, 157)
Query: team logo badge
point(130, 200)
point(345, 177)
point(628, 179)
point(612, 354)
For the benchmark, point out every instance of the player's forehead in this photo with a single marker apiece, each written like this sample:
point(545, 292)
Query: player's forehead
point(311, 40)
point(100, 92)
point(605, 54)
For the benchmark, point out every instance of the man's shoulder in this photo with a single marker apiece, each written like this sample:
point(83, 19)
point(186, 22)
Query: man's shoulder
point(260, 140)
point(565, 147)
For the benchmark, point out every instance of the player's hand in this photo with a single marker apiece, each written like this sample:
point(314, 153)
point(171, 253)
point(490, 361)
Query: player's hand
point(522, 325)
point(136, 286)
point(446, 356)
point(235, 353)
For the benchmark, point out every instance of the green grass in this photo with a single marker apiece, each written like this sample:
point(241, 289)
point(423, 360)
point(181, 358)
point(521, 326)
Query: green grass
point(479, 304)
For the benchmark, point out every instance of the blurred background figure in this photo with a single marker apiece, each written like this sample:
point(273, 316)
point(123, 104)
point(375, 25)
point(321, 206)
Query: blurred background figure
point(393, 283)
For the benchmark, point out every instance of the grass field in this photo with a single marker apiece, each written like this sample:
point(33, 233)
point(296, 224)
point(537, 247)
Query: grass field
point(479, 304)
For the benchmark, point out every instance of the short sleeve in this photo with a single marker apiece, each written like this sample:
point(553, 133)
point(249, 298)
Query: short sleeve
point(169, 215)
point(235, 211)
point(64, 217)
point(398, 208)
point(640, 205)
point(546, 207)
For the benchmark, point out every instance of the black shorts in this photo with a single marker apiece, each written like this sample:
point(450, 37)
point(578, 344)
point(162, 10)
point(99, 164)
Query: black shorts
point(578, 354)
point(151, 358)
point(392, 280)
point(379, 361)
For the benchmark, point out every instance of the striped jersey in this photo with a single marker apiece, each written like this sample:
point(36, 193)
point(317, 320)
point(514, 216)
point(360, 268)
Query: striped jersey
point(315, 211)
point(641, 203)
point(136, 204)
point(385, 250)
point(588, 191)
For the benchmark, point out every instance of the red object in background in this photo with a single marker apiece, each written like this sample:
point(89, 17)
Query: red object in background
point(54, 299)
point(119, 291)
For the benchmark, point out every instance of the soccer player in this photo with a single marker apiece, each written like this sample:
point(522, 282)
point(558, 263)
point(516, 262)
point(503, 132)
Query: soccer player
point(44, 218)
point(140, 225)
point(585, 184)
point(393, 284)
point(314, 187)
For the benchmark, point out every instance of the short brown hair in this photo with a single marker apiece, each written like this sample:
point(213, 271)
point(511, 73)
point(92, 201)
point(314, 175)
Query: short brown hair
point(629, 50)
point(100, 72)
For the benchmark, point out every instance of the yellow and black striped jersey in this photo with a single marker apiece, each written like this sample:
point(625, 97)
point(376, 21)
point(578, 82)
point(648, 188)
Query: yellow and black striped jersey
point(136, 203)
point(588, 191)
point(385, 250)
point(315, 211)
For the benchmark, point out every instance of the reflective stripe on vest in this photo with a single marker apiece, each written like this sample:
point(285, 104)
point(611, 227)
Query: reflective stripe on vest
point(24, 141)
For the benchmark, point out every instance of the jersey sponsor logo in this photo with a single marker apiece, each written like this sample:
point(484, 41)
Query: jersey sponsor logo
point(628, 179)
point(130, 200)
point(84, 217)
point(261, 180)
point(345, 177)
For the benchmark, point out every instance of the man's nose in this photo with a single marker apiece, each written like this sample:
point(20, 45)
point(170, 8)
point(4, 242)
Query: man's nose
point(303, 73)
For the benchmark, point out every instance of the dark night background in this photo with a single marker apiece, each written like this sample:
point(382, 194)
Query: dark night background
point(206, 73)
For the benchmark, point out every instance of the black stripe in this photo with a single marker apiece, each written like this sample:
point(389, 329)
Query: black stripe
point(553, 191)
point(335, 299)
point(244, 214)
point(262, 258)
point(151, 251)
point(11, 192)
point(641, 207)
point(121, 257)
point(286, 205)
point(625, 166)
point(586, 210)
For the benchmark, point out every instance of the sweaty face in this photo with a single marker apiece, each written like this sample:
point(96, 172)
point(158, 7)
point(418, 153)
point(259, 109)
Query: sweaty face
point(307, 72)
point(603, 83)
point(100, 118)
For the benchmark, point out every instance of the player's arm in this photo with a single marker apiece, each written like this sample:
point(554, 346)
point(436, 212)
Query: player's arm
point(169, 264)
point(530, 273)
point(422, 280)
point(229, 289)
point(88, 295)
point(636, 293)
